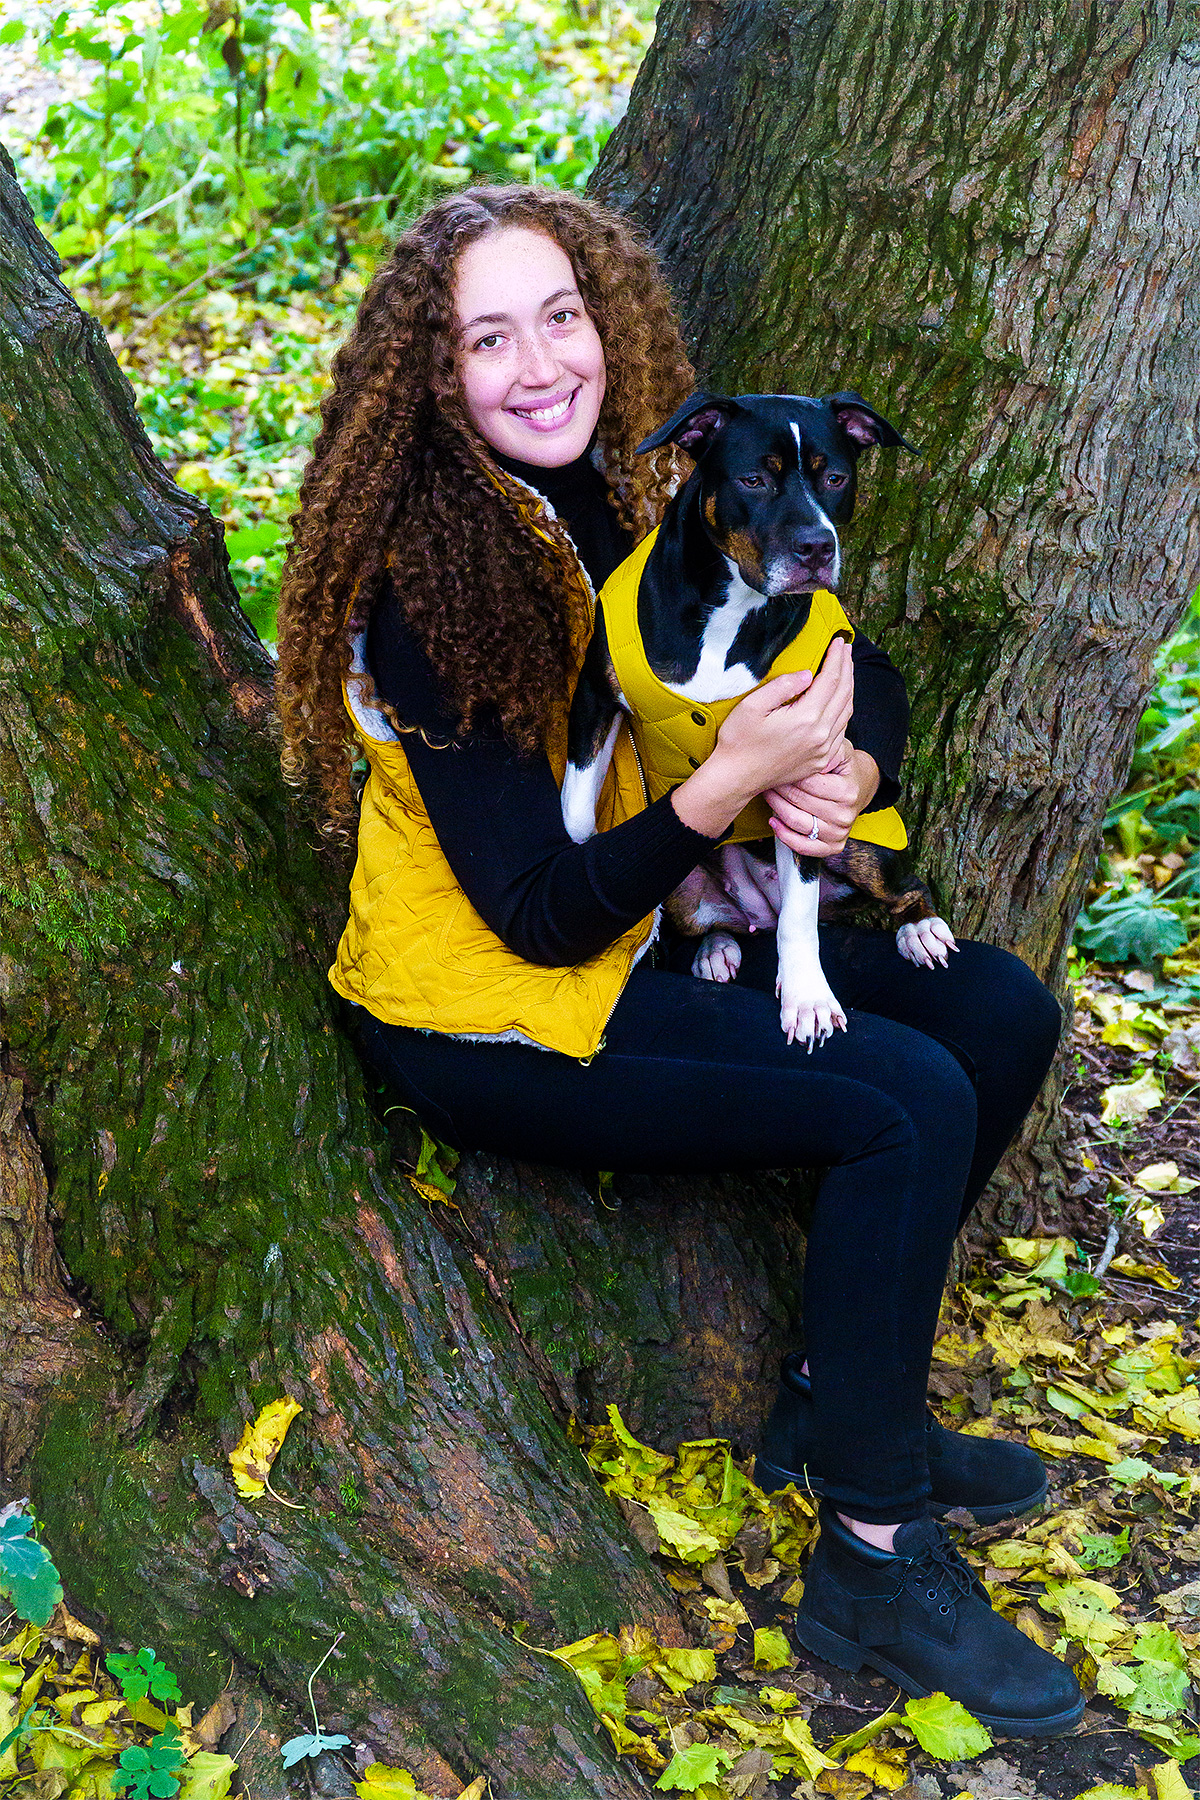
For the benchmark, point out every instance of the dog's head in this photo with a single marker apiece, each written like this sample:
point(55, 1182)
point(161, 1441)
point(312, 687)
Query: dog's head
point(775, 476)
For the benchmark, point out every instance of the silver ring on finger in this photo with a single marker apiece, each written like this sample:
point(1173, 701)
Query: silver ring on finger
point(815, 833)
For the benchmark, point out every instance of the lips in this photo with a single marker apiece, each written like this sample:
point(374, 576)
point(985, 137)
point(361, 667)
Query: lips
point(548, 415)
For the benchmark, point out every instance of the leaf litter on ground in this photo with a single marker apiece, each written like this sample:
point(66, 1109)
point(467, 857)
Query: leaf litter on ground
point(1104, 1387)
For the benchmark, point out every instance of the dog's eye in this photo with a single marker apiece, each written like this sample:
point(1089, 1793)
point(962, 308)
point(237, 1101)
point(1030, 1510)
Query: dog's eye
point(835, 481)
point(751, 481)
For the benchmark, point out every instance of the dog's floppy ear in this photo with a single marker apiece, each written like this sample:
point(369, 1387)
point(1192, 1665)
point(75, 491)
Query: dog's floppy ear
point(863, 425)
point(694, 425)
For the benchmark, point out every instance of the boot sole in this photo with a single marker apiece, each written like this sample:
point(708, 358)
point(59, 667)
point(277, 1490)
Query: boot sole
point(776, 1478)
point(844, 1654)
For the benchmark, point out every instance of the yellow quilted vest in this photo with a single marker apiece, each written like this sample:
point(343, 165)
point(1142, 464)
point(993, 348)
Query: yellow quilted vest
point(415, 952)
point(674, 735)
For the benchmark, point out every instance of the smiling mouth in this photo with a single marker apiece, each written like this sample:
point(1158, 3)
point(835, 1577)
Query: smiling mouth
point(545, 415)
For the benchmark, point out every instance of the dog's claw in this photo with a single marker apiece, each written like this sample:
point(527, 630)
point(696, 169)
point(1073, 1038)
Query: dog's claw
point(811, 1019)
point(926, 941)
point(719, 957)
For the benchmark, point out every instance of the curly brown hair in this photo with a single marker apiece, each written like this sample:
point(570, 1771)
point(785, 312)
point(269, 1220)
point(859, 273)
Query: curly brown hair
point(400, 481)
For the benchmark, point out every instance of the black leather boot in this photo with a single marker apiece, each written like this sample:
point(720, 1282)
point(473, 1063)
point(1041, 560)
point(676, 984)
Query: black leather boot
point(919, 1616)
point(992, 1478)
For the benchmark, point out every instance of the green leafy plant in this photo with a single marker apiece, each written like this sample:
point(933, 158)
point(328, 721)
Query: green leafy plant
point(28, 1578)
point(1146, 904)
point(151, 1772)
point(1130, 924)
point(314, 1742)
point(143, 1676)
point(294, 134)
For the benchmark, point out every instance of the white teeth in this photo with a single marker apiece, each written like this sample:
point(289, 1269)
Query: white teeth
point(544, 412)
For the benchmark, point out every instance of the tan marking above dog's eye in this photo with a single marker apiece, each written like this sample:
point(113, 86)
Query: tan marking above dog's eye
point(816, 463)
point(774, 464)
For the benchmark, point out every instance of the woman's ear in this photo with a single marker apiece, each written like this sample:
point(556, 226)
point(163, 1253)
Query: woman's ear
point(694, 425)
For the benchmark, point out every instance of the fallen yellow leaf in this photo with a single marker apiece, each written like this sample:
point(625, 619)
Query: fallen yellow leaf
point(1144, 1271)
point(1129, 1102)
point(259, 1445)
point(1164, 1178)
point(1169, 1783)
point(1050, 1444)
point(887, 1768)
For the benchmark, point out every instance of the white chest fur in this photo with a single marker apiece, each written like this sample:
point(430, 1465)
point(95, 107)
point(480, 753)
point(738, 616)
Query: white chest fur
point(712, 679)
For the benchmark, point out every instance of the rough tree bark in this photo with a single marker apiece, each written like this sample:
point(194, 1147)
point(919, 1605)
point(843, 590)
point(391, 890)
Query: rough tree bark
point(987, 219)
point(233, 1217)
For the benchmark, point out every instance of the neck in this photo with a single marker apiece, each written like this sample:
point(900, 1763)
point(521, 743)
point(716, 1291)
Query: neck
point(555, 479)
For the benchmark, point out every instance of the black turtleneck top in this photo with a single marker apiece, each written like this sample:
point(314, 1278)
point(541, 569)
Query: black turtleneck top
point(497, 812)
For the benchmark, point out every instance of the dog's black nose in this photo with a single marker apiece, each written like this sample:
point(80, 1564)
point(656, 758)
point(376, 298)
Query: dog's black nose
point(815, 552)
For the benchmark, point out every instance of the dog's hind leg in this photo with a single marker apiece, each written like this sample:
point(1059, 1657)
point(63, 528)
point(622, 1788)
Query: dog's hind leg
point(592, 728)
point(719, 957)
point(888, 876)
point(699, 908)
point(808, 1008)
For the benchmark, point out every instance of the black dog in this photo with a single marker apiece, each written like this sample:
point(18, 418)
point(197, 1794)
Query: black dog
point(734, 586)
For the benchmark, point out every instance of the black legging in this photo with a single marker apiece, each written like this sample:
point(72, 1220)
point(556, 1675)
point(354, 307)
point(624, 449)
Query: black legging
point(909, 1111)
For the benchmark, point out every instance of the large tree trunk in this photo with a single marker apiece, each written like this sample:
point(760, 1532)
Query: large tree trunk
point(233, 1216)
point(987, 220)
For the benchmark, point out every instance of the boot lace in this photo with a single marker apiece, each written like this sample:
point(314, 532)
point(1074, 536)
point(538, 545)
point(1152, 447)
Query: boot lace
point(940, 1570)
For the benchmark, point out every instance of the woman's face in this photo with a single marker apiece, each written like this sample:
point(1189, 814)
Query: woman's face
point(529, 358)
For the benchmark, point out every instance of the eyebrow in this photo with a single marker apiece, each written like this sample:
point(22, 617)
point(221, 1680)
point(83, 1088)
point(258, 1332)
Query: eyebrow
point(499, 318)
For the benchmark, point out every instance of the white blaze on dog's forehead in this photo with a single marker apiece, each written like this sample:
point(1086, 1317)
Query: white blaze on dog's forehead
point(822, 515)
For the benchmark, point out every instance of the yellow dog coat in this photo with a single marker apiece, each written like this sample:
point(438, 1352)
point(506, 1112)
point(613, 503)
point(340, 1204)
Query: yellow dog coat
point(674, 735)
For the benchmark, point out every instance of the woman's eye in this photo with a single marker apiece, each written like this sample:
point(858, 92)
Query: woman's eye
point(564, 314)
point(488, 342)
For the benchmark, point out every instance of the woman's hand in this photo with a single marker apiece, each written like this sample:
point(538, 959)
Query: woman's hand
point(827, 803)
point(787, 731)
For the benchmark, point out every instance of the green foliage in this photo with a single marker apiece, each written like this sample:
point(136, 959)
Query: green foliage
point(692, 1768)
point(142, 1675)
point(1103, 1552)
point(436, 1164)
point(151, 1772)
point(1130, 924)
point(28, 1578)
point(1146, 902)
point(946, 1729)
point(296, 130)
point(312, 1743)
point(221, 190)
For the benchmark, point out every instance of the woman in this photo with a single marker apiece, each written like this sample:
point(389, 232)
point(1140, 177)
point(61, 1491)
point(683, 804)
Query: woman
point(476, 465)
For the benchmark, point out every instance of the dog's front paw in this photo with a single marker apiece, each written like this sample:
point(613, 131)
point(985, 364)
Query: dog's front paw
point(719, 957)
point(811, 1013)
point(926, 942)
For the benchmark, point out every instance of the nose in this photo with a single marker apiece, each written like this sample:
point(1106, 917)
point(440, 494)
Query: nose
point(814, 550)
point(805, 560)
point(539, 365)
